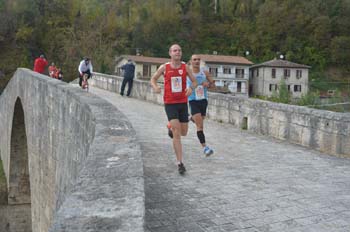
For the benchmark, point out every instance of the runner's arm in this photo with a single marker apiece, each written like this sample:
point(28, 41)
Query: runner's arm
point(192, 77)
point(210, 79)
point(155, 77)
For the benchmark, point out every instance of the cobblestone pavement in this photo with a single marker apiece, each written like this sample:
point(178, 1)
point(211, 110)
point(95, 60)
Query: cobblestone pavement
point(251, 183)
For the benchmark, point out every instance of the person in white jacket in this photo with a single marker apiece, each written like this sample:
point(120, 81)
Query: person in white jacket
point(85, 67)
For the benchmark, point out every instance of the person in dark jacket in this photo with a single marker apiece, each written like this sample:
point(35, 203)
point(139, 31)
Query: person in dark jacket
point(129, 72)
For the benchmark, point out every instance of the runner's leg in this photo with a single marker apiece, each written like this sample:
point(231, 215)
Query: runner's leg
point(184, 128)
point(198, 120)
point(176, 129)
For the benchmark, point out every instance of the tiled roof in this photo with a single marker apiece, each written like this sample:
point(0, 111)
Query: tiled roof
point(225, 59)
point(280, 63)
point(204, 57)
point(144, 59)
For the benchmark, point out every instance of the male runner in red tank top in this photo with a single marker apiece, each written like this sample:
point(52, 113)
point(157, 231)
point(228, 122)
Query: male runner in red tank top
point(175, 97)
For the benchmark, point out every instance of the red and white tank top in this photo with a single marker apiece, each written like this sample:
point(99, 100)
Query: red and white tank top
point(175, 84)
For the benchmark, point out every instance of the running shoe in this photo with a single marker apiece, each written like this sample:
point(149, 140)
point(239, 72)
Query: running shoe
point(182, 168)
point(170, 132)
point(208, 151)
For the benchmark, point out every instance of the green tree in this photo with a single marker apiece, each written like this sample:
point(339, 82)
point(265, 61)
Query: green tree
point(340, 50)
point(282, 95)
point(314, 32)
point(309, 99)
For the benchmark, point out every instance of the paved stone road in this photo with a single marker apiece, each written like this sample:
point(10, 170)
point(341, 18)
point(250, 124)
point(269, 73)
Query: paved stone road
point(251, 183)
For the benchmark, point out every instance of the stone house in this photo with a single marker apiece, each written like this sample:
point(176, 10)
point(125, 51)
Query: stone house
point(230, 72)
point(266, 77)
point(145, 66)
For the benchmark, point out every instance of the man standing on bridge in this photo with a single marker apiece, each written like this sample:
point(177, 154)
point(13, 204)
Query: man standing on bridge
point(175, 97)
point(129, 73)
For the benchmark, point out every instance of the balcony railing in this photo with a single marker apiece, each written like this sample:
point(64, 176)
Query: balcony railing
point(221, 75)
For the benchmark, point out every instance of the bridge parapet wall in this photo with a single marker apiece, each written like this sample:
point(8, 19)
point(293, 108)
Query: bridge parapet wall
point(324, 131)
point(85, 166)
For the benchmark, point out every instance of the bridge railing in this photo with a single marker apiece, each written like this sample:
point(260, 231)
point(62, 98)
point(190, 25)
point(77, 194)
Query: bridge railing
point(320, 130)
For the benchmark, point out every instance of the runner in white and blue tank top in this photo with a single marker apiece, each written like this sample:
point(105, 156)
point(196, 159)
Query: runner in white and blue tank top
point(198, 100)
point(200, 92)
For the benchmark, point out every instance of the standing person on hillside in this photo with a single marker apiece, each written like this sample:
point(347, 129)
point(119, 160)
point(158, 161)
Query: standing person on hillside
point(175, 97)
point(129, 73)
point(39, 64)
point(85, 67)
point(198, 100)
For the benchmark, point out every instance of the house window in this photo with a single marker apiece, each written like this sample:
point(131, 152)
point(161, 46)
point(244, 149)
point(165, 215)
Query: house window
point(227, 70)
point(299, 74)
point(213, 71)
point(288, 86)
point(273, 73)
point(286, 73)
point(239, 73)
point(297, 88)
point(257, 72)
point(146, 70)
point(273, 87)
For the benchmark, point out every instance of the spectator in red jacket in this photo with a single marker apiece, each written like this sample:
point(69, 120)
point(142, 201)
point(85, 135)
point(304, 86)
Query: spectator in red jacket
point(39, 64)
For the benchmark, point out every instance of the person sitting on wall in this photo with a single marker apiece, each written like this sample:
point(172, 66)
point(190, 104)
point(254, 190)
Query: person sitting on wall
point(52, 70)
point(85, 67)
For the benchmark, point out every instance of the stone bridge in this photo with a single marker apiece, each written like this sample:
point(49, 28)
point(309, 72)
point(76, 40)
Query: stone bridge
point(70, 157)
point(79, 164)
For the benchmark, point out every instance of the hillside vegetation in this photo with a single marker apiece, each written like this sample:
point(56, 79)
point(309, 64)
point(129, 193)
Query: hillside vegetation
point(313, 32)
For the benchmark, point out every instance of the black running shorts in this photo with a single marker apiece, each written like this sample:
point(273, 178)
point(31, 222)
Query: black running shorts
point(199, 106)
point(177, 111)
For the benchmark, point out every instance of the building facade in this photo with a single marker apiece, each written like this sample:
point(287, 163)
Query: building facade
point(145, 66)
point(229, 72)
point(266, 77)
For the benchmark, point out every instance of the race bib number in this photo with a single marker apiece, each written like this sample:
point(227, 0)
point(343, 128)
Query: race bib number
point(199, 92)
point(176, 84)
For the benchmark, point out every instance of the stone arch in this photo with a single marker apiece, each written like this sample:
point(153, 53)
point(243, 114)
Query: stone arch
point(4, 224)
point(3, 185)
point(19, 183)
